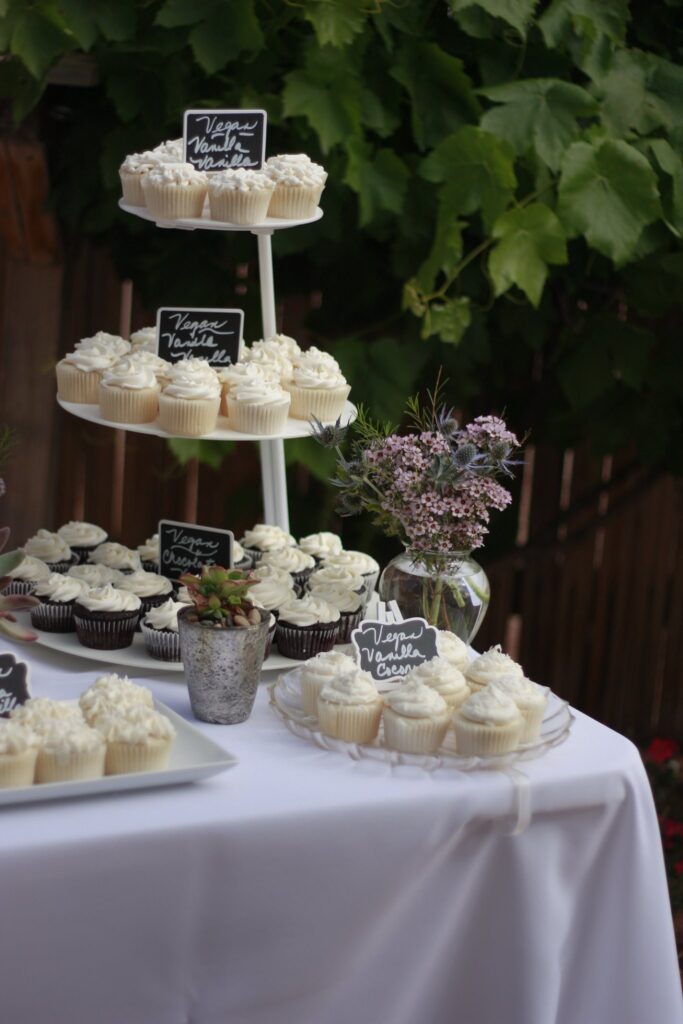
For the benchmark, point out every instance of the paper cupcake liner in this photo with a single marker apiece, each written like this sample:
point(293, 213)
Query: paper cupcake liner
point(74, 385)
point(327, 404)
point(347, 623)
point(53, 617)
point(171, 202)
point(295, 202)
point(303, 642)
point(162, 644)
point(354, 723)
point(137, 757)
point(235, 207)
point(310, 691)
point(131, 186)
point(63, 567)
point(533, 719)
point(18, 588)
point(128, 405)
point(83, 551)
point(18, 769)
point(106, 634)
point(255, 554)
point(414, 735)
point(475, 739)
point(188, 417)
point(68, 767)
point(250, 418)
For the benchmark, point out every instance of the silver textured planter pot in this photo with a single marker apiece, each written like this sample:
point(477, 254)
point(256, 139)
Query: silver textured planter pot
point(222, 668)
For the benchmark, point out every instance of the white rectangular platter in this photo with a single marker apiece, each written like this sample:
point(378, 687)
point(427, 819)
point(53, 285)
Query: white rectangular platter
point(193, 757)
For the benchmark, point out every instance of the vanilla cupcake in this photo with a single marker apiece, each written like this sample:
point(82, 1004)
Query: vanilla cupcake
point(240, 196)
point(105, 617)
point(129, 392)
point(51, 549)
point(160, 630)
point(145, 339)
point(293, 561)
point(109, 693)
point(150, 587)
point(443, 677)
point(42, 715)
point(131, 173)
point(115, 556)
point(79, 373)
point(350, 708)
point(23, 577)
point(453, 649)
point(174, 191)
point(349, 603)
point(265, 537)
point(358, 562)
point(258, 406)
point(232, 376)
point(82, 538)
point(489, 666)
point(531, 700)
point(316, 357)
point(138, 739)
point(286, 344)
point(306, 626)
point(487, 723)
point(18, 753)
point(70, 753)
point(321, 545)
point(416, 718)
point(113, 344)
point(95, 575)
point(190, 401)
point(328, 575)
point(298, 186)
point(272, 356)
point(317, 672)
point(150, 553)
point(57, 595)
point(171, 151)
point(317, 391)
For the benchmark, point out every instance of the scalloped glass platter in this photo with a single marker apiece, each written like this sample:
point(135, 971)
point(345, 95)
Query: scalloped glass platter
point(294, 428)
point(205, 222)
point(285, 700)
point(135, 656)
point(193, 756)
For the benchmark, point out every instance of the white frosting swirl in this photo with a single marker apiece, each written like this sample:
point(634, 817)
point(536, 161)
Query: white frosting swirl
point(285, 171)
point(140, 163)
point(290, 559)
point(315, 356)
point(415, 699)
point(16, 738)
point(115, 556)
point(272, 594)
point(318, 376)
point(78, 534)
point(174, 175)
point(336, 576)
point(164, 616)
point(184, 596)
point(307, 611)
point(443, 677)
point(321, 544)
point(270, 353)
point(91, 360)
point(171, 150)
point(144, 340)
point(353, 687)
point(192, 379)
point(49, 547)
point(131, 374)
point(145, 584)
point(57, 587)
point(255, 391)
point(490, 665)
point(346, 600)
point(237, 552)
point(75, 739)
point(526, 694)
point(357, 561)
point(489, 707)
point(327, 666)
point(264, 537)
point(453, 649)
point(110, 692)
point(30, 569)
point(114, 344)
point(240, 179)
point(134, 724)
point(150, 551)
point(237, 373)
point(41, 713)
point(288, 344)
point(109, 599)
point(95, 575)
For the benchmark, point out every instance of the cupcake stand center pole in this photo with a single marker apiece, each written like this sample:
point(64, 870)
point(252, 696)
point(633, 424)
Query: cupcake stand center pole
point(273, 474)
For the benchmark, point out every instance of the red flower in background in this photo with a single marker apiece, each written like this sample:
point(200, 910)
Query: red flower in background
point(660, 750)
point(671, 828)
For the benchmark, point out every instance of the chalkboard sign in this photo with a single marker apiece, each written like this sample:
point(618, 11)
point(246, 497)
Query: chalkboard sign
point(218, 139)
point(392, 650)
point(13, 684)
point(186, 548)
point(213, 334)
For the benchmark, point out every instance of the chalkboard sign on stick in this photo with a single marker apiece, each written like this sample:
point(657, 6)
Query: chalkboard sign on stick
point(213, 334)
point(14, 687)
point(218, 139)
point(185, 547)
point(390, 650)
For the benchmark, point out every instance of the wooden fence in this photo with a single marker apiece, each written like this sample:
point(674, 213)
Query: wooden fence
point(590, 599)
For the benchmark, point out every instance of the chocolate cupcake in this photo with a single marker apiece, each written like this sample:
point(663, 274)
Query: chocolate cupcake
point(357, 562)
point(297, 563)
point(57, 595)
point(305, 627)
point(150, 587)
point(265, 538)
point(240, 558)
point(51, 549)
point(82, 538)
point(23, 577)
point(115, 556)
point(95, 575)
point(321, 545)
point(160, 631)
point(105, 618)
point(149, 553)
point(349, 603)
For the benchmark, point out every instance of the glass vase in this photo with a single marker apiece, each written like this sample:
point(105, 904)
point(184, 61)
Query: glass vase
point(447, 588)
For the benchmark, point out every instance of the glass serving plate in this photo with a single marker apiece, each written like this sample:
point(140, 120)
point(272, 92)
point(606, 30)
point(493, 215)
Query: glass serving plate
point(285, 700)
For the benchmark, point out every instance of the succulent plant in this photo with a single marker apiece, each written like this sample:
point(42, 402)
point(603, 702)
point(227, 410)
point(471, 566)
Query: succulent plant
point(17, 602)
point(220, 597)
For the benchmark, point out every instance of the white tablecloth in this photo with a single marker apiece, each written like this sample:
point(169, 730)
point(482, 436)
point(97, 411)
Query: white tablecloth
point(303, 887)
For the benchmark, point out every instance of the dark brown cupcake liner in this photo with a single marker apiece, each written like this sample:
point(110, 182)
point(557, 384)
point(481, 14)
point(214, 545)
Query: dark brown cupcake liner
point(244, 563)
point(53, 616)
point(347, 623)
point(150, 566)
point(254, 554)
point(83, 551)
point(300, 581)
point(105, 631)
point(18, 588)
point(303, 642)
point(162, 644)
point(63, 567)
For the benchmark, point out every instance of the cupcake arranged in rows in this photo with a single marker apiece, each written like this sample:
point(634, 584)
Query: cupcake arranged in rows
point(25, 576)
point(306, 626)
point(160, 630)
point(81, 537)
point(51, 549)
point(190, 399)
point(80, 372)
point(106, 617)
point(298, 185)
point(57, 594)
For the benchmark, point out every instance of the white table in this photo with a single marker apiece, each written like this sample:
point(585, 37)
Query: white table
point(303, 887)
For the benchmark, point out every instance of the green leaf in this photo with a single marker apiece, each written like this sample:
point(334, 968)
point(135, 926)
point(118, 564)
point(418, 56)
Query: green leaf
point(116, 19)
point(641, 92)
point(446, 250)
point(539, 114)
point(184, 12)
point(211, 453)
point(336, 22)
point(78, 15)
point(441, 93)
point(478, 169)
point(380, 180)
point(320, 461)
point(608, 193)
point(378, 115)
point(231, 29)
point(517, 13)
point(327, 93)
point(528, 239)
point(587, 18)
point(447, 320)
point(672, 192)
point(38, 41)
point(10, 560)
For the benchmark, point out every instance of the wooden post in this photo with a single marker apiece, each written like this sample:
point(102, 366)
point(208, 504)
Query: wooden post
point(119, 468)
point(191, 491)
